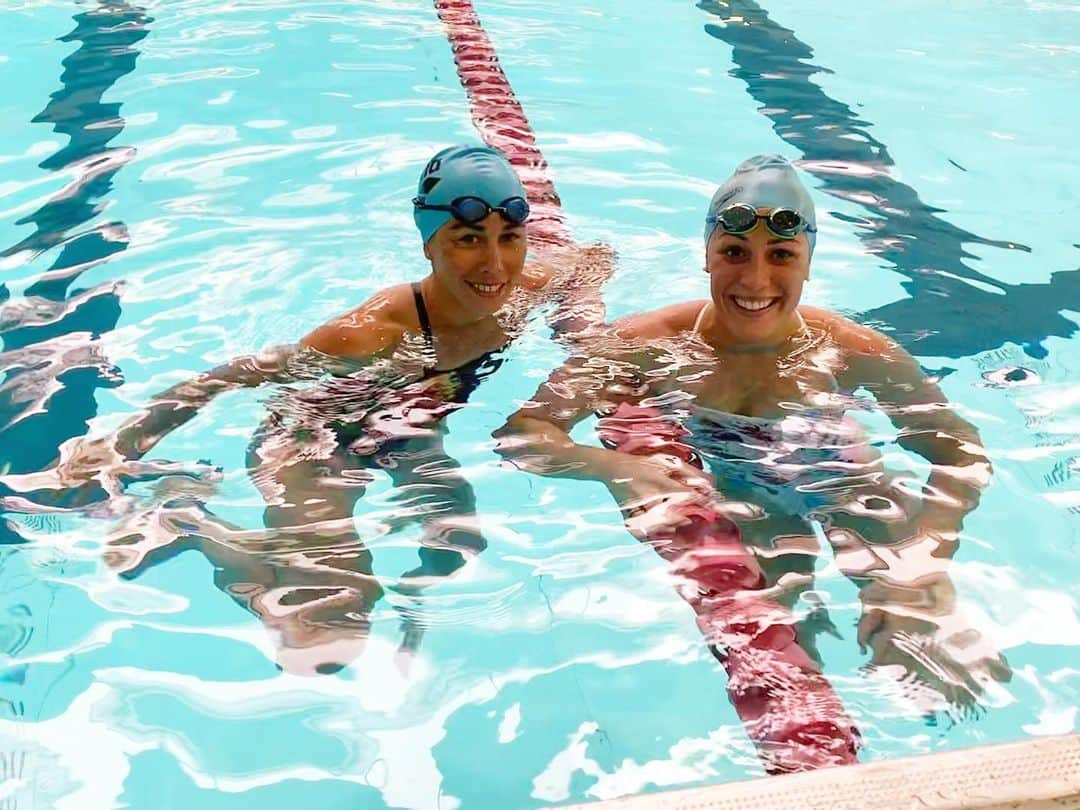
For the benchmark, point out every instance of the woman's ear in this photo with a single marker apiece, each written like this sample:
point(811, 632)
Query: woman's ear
point(427, 252)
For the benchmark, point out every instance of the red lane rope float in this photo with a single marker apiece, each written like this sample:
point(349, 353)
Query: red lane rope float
point(789, 709)
point(500, 119)
point(787, 706)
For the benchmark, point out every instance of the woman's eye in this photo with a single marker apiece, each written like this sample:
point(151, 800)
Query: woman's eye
point(468, 239)
point(510, 236)
point(732, 252)
point(782, 255)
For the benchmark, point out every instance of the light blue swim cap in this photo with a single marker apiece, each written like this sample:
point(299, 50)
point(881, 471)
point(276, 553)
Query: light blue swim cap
point(764, 181)
point(463, 171)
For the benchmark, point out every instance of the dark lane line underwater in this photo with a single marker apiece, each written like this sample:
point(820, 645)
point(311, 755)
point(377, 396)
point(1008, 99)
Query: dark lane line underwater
point(49, 349)
point(944, 316)
point(51, 364)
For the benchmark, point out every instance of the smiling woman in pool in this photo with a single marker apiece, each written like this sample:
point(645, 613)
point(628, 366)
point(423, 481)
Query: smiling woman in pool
point(762, 384)
point(384, 374)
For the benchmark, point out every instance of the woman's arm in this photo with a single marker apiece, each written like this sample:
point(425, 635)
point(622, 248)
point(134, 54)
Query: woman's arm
point(537, 437)
point(928, 425)
point(177, 405)
point(110, 459)
point(345, 345)
point(537, 442)
point(571, 278)
point(910, 615)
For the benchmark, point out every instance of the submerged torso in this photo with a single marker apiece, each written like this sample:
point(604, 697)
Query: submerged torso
point(769, 423)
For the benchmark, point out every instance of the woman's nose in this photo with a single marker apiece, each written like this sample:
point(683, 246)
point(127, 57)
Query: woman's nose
point(756, 274)
point(493, 258)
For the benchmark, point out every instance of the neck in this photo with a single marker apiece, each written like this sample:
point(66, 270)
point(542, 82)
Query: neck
point(721, 341)
point(444, 310)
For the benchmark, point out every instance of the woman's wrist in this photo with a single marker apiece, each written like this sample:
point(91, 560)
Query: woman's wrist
point(598, 463)
point(931, 595)
point(539, 448)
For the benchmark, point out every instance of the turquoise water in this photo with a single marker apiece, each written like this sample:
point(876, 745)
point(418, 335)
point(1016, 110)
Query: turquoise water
point(209, 179)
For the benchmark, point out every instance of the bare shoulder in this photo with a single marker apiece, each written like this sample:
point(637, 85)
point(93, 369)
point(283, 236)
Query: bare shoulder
point(659, 323)
point(870, 358)
point(374, 328)
point(856, 338)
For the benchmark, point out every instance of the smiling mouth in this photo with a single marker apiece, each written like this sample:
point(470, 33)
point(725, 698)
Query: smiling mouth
point(754, 306)
point(486, 290)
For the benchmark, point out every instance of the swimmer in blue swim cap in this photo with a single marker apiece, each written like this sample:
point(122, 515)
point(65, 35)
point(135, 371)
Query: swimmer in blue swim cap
point(472, 214)
point(763, 385)
point(471, 211)
point(385, 373)
point(760, 232)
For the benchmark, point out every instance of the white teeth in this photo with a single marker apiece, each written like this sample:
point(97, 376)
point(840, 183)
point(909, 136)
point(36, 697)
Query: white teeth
point(486, 288)
point(754, 304)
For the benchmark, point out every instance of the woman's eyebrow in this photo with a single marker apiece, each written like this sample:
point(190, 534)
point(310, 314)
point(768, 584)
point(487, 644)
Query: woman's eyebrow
point(458, 225)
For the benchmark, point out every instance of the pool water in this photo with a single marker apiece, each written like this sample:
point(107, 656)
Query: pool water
point(186, 182)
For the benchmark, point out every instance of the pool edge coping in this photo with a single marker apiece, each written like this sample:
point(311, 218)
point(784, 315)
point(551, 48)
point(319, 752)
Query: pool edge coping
point(1043, 772)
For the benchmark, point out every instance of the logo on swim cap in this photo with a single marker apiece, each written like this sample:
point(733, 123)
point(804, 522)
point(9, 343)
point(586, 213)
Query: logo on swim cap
point(433, 165)
point(724, 200)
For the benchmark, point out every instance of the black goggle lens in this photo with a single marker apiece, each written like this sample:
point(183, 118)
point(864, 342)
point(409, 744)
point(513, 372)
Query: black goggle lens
point(515, 210)
point(469, 210)
point(472, 210)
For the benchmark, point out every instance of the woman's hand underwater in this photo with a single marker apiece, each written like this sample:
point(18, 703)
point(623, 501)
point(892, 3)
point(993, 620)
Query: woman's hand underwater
point(918, 631)
point(649, 490)
point(91, 471)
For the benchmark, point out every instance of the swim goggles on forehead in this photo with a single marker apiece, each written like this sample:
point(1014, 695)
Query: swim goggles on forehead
point(472, 210)
point(742, 218)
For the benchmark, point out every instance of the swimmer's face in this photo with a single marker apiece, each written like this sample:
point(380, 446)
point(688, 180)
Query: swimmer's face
point(756, 281)
point(478, 265)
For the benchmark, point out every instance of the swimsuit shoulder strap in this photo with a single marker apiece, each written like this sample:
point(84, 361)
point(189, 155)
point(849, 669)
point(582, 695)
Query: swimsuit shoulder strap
point(700, 319)
point(802, 321)
point(422, 314)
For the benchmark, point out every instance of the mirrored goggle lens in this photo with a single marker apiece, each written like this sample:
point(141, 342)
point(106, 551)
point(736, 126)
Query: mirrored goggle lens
point(738, 219)
point(785, 222)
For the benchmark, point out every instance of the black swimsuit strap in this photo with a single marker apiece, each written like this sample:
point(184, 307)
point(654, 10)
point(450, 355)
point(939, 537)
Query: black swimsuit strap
point(421, 313)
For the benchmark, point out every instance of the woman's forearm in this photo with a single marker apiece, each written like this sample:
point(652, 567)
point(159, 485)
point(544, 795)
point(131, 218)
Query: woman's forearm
point(960, 466)
point(928, 424)
point(544, 448)
point(579, 278)
point(179, 404)
point(138, 435)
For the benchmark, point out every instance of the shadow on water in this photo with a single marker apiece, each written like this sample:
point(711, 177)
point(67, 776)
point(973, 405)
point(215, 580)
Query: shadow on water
point(951, 312)
point(51, 362)
point(50, 353)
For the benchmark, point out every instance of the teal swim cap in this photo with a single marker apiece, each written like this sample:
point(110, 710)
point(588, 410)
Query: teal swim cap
point(764, 181)
point(463, 171)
